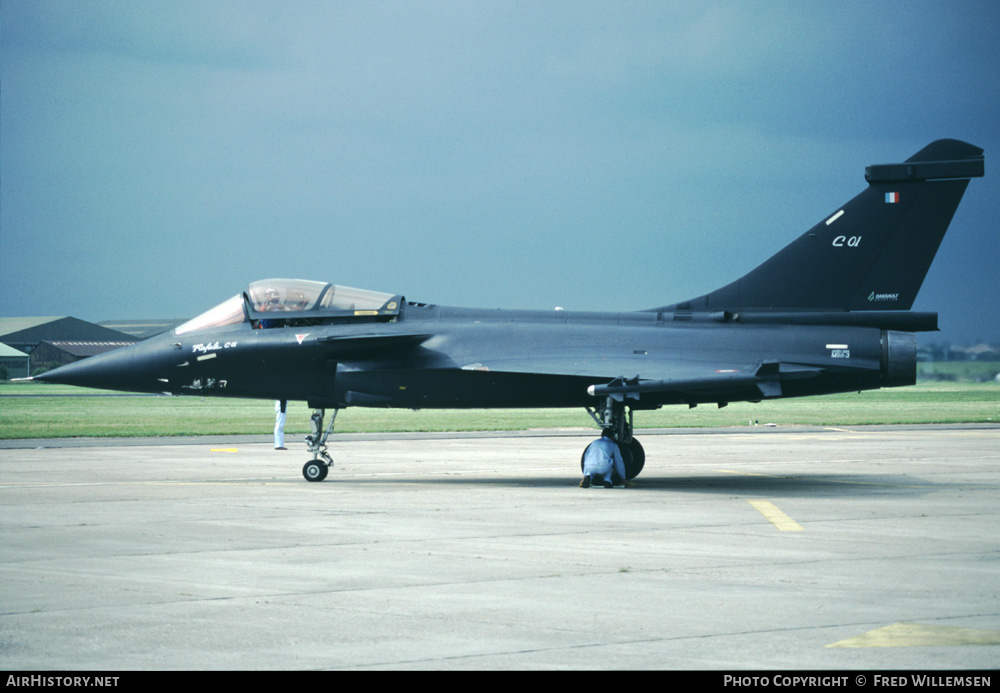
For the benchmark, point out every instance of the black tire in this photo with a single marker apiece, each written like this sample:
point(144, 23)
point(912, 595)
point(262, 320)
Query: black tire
point(635, 460)
point(583, 455)
point(314, 470)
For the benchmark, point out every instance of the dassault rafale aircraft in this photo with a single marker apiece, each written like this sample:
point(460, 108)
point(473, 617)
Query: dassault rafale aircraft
point(828, 313)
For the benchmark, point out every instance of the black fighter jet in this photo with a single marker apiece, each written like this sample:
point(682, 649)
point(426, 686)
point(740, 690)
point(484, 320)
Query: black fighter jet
point(828, 313)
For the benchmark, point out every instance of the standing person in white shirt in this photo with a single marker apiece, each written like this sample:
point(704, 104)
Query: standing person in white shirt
point(280, 414)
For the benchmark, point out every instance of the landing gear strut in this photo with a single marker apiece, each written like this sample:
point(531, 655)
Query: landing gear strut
point(611, 415)
point(318, 467)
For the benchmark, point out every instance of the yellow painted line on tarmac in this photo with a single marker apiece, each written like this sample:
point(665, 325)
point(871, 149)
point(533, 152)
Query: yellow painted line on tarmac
point(777, 518)
point(920, 635)
point(224, 450)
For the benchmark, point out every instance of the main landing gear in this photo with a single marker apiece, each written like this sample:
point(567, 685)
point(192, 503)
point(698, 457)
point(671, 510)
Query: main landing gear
point(318, 467)
point(611, 415)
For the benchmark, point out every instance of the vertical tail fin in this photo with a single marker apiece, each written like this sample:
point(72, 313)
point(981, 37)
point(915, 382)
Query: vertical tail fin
point(870, 254)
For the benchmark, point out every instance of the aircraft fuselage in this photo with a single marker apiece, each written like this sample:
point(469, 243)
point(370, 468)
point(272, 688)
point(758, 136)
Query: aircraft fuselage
point(438, 357)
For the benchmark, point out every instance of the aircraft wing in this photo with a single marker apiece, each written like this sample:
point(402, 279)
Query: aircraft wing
point(639, 374)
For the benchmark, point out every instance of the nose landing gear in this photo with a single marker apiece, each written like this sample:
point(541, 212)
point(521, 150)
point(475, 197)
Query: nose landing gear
point(318, 467)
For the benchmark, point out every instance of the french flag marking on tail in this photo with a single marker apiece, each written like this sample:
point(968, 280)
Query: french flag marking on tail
point(891, 198)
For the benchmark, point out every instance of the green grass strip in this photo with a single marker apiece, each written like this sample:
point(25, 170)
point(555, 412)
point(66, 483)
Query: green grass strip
point(65, 414)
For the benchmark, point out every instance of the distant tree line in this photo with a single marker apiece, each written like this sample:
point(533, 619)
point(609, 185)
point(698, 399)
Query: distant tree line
point(947, 362)
point(944, 351)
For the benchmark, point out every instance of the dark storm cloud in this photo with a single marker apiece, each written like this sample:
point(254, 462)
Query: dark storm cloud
point(157, 156)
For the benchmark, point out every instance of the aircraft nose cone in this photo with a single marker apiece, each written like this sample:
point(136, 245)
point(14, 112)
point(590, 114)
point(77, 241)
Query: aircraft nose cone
point(114, 370)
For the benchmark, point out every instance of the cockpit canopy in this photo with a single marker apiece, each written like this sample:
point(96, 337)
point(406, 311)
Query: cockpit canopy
point(267, 301)
point(293, 295)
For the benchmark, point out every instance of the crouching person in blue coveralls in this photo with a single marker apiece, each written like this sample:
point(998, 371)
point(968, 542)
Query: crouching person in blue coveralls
point(603, 463)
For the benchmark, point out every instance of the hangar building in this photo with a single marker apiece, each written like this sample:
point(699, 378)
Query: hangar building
point(66, 339)
point(15, 362)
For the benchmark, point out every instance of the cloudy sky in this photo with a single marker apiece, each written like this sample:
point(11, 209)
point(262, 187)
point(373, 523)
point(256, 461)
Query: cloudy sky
point(158, 155)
